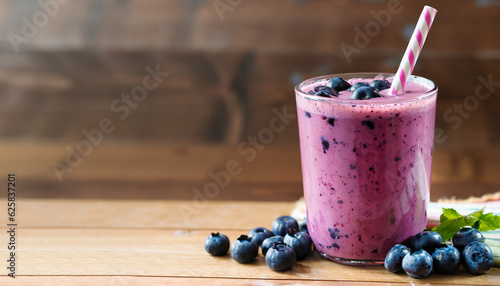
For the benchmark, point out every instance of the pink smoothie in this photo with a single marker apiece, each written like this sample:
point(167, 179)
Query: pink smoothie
point(366, 167)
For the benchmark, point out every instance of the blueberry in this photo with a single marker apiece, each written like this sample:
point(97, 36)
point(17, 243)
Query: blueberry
point(258, 235)
point(300, 242)
point(337, 83)
point(270, 241)
point(357, 85)
point(303, 226)
point(244, 250)
point(217, 244)
point(285, 224)
point(394, 258)
point(365, 92)
point(465, 236)
point(418, 264)
point(320, 87)
point(446, 259)
point(380, 84)
point(325, 91)
point(426, 240)
point(280, 257)
point(477, 257)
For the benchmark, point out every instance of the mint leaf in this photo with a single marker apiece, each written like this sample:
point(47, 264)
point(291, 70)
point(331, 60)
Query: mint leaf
point(488, 221)
point(477, 214)
point(451, 222)
point(476, 225)
point(449, 214)
point(472, 219)
point(450, 227)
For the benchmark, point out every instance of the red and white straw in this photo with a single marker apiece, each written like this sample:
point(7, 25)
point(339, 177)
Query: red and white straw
point(413, 50)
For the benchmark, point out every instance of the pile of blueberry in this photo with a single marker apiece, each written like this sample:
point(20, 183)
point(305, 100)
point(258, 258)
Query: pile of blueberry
point(361, 90)
point(280, 247)
point(430, 253)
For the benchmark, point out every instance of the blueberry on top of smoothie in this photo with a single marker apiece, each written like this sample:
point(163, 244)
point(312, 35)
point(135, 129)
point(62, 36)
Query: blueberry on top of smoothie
point(365, 92)
point(325, 91)
point(357, 85)
point(380, 84)
point(337, 83)
point(320, 87)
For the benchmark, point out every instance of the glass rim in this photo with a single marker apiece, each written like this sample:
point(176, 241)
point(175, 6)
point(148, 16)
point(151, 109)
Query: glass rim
point(386, 100)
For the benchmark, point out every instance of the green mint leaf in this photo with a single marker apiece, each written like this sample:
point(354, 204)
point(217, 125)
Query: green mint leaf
point(477, 214)
point(449, 214)
point(452, 221)
point(476, 225)
point(470, 220)
point(450, 227)
point(488, 221)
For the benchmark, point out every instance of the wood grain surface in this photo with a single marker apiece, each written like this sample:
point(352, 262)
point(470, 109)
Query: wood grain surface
point(173, 171)
point(131, 242)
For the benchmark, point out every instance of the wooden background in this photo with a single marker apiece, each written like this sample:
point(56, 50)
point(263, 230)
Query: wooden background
point(228, 71)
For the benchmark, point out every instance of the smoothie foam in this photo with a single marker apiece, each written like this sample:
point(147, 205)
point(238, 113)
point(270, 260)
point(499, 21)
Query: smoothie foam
point(366, 167)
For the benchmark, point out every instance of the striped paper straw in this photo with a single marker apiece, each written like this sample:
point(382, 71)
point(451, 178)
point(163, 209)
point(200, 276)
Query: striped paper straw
point(413, 50)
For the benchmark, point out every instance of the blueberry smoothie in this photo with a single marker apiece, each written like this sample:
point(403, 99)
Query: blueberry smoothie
point(366, 162)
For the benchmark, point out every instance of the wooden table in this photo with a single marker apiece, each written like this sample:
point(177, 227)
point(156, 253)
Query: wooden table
point(115, 218)
point(145, 242)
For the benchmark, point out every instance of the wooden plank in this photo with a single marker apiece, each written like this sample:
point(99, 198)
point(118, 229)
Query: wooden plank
point(268, 74)
point(323, 25)
point(138, 214)
point(158, 189)
point(154, 156)
point(273, 75)
point(236, 191)
point(172, 171)
point(271, 79)
point(203, 119)
point(218, 96)
point(160, 252)
point(459, 125)
point(74, 24)
point(299, 25)
point(153, 161)
point(70, 94)
point(124, 280)
point(493, 127)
